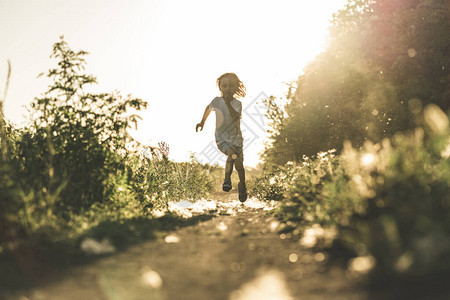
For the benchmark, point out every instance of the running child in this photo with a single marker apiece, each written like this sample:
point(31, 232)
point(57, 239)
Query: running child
point(228, 128)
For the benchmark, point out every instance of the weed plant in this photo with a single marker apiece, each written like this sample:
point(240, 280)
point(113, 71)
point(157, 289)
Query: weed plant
point(156, 180)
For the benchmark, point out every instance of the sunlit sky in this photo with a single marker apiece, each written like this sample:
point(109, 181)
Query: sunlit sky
point(168, 53)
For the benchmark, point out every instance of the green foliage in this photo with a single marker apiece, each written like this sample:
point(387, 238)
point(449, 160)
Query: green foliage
point(403, 206)
point(384, 61)
point(78, 138)
point(159, 180)
point(277, 117)
point(76, 164)
point(268, 186)
point(301, 187)
point(388, 200)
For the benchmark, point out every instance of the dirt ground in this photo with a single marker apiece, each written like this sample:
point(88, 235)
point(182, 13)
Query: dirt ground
point(237, 254)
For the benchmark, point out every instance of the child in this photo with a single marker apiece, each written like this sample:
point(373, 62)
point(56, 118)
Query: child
point(228, 130)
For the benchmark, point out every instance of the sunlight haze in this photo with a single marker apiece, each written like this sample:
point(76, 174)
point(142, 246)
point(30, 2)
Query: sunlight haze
point(168, 53)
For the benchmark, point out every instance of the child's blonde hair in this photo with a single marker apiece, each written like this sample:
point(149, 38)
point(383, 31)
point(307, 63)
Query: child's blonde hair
point(239, 86)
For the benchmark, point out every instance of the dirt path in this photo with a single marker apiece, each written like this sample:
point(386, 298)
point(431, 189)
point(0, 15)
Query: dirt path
point(238, 254)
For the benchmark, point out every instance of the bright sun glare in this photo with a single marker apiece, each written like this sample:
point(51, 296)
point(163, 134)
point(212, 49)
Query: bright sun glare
point(168, 53)
point(266, 44)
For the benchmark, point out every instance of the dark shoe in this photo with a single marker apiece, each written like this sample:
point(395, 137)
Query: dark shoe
point(226, 186)
point(242, 192)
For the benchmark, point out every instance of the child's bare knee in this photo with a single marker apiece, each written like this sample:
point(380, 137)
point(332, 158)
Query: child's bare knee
point(231, 155)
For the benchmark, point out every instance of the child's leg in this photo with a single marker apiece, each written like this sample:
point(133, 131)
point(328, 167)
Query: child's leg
point(229, 163)
point(239, 165)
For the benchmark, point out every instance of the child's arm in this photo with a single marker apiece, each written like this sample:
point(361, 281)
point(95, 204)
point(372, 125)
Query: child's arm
point(234, 114)
point(205, 116)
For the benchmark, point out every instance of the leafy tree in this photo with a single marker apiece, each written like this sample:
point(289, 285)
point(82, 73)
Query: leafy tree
point(78, 139)
point(384, 62)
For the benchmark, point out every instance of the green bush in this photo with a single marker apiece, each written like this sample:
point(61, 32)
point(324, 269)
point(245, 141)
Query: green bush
point(389, 201)
point(63, 162)
point(156, 180)
point(402, 210)
point(76, 165)
point(80, 137)
point(269, 186)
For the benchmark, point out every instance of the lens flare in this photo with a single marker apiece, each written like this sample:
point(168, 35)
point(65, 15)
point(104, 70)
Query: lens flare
point(367, 159)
